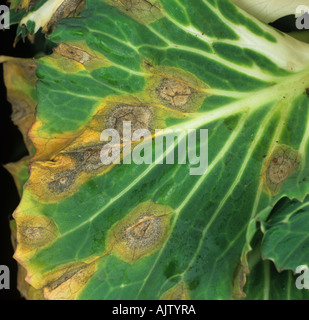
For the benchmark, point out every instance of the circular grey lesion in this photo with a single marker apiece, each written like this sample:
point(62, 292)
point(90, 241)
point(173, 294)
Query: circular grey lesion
point(279, 169)
point(34, 234)
point(144, 233)
point(140, 117)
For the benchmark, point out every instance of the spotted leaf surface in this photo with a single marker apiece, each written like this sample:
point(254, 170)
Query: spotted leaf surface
point(86, 230)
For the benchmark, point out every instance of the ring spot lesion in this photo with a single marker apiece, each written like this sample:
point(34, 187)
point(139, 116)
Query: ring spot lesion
point(175, 93)
point(141, 233)
point(140, 116)
point(282, 162)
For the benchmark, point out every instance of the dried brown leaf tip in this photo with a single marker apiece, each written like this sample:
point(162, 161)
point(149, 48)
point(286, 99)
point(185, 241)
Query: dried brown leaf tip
point(178, 292)
point(280, 165)
point(141, 233)
point(20, 81)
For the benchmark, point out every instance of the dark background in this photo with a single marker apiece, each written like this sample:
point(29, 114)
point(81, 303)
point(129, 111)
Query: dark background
point(12, 148)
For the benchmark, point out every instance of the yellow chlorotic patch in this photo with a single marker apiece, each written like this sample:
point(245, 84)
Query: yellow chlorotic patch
point(279, 166)
point(62, 63)
point(19, 72)
point(52, 181)
point(45, 144)
point(16, 169)
point(26, 290)
point(71, 57)
point(20, 81)
point(33, 232)
point(178, 292)
point(141, 233)
point(23, 115)
point(69, 281)
point(66, 170)
point(62, 163)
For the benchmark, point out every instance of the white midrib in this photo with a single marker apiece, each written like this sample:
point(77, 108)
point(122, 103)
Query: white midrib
point(43, 15)
point(287, 52)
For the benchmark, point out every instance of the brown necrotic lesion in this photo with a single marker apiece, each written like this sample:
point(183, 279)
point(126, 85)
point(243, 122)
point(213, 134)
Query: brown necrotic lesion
point(145, 11)
point(62, 181)
point(281, 164)
point(143, 233)
point(69, 281)
point(73, 52)
point(83, 160)
point(87, 159)
point(140, 117)
point(176, 93)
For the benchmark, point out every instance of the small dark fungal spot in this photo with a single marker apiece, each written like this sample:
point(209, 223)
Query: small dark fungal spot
point(62, 181)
